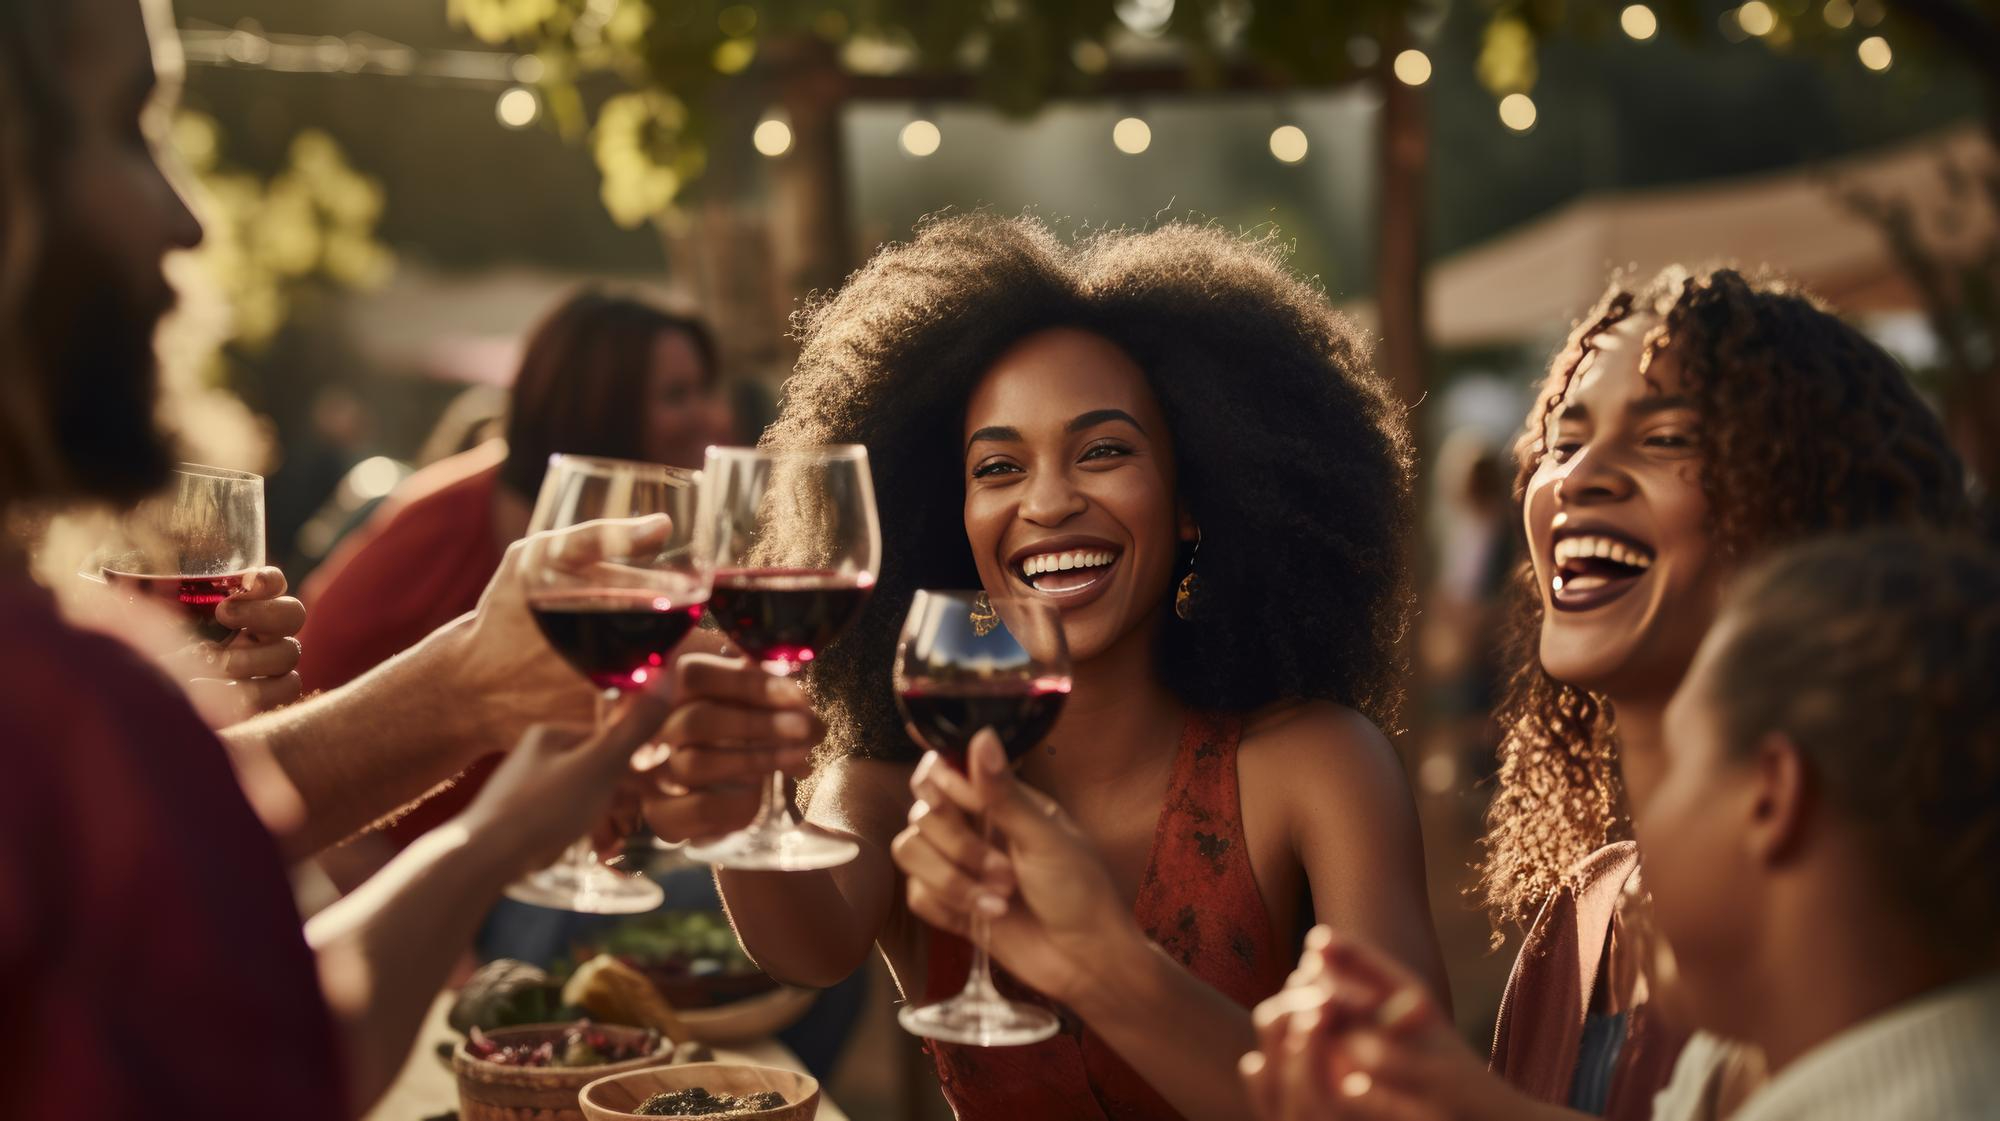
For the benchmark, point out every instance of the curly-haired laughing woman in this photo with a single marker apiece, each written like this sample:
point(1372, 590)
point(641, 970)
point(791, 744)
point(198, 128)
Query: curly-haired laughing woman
point(1687, 428)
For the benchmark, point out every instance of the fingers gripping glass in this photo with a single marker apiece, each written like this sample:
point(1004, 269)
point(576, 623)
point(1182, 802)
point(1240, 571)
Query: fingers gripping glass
point(191, 547)
point(797, 550)
point(967, 662)
point(614, 581)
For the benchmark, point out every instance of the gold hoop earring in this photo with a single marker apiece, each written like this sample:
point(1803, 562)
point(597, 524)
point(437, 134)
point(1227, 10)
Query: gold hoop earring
point(984, 618)
point(1190, 587)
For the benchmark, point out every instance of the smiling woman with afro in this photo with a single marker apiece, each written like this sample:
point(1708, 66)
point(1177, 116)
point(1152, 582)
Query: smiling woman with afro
point(1215, 485)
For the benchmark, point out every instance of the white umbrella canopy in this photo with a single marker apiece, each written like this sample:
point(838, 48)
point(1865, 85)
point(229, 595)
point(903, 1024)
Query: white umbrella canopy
point(1534, 281)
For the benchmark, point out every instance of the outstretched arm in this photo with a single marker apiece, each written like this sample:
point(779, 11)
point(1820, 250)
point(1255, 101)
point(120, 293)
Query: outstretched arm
point(803, 928)
point(386, 949)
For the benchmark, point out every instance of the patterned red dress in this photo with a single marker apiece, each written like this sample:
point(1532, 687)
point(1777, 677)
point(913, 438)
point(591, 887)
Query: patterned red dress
point(1198, 900)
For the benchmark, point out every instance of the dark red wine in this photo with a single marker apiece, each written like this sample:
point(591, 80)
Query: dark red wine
point(195, 597)
point(618, 639)
point(946, 717)
point(785, 615)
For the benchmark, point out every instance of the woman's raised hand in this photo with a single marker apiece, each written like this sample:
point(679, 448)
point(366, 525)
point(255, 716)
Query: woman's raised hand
point(1052, 906)
point(1354, 1036)
point(732, 725)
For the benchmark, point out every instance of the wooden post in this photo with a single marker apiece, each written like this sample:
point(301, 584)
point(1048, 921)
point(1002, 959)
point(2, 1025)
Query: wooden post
point(1399, 261)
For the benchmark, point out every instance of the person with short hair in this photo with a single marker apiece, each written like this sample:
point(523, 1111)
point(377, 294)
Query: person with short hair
point(1821, 845)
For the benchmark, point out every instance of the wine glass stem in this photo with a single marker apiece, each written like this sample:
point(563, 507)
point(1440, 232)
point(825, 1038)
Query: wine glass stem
point(979, 978)
point(777, 812)
point(582, 854)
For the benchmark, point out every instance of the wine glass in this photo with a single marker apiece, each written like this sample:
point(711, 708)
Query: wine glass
point(967, 661)
point(614, 589)
point(796, 552)
point(189, 548)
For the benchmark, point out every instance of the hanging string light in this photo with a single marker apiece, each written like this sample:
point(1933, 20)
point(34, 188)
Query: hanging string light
point(1288, 143)
point(518, 107)
point(1132, 135)
point(921, 137)
point(773, 135)
point(1638, 22)
point(1517, 111)
point(1413, 67)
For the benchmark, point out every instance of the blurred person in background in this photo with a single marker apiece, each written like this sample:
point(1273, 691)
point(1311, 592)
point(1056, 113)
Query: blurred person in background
point(1686, 429)
point(152, 956)
point(1820, 848)
point(602, 375)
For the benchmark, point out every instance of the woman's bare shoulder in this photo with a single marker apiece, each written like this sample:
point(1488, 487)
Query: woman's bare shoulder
point(866, 797)
point(1319, 757)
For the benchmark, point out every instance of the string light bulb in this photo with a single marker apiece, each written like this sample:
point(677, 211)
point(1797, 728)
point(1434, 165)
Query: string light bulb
point(921, 138)
point(1413, 67)
point(1517, 111)
point(1132, 136)
point(1757, 18)
point(773, 136)
point(1288, 143)
point(518, 107)
point(1875, 53)
point(1639, 22)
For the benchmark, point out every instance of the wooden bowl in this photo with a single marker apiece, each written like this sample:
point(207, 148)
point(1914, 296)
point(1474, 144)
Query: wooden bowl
point(492, 1092)
point(613, 1097)
point(749, 1019)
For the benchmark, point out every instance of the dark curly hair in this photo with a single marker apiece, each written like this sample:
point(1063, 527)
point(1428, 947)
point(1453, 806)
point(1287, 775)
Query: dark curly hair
point(1292, 456)
point(1878, 655)
point(1807, 426)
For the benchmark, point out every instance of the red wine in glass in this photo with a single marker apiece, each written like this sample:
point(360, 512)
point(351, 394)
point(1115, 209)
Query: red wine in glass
point(194, 597)
point(786, 616)
point(618, 638)
point(946, 717)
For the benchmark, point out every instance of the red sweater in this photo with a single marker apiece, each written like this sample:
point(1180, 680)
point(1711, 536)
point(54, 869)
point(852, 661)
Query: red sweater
point(421, 561)
point(153, 961)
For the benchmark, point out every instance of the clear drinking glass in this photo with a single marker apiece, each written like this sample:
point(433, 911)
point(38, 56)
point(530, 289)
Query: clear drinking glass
point(189, 548)
point(967, 661)
point(797, 549)
point(614, 589)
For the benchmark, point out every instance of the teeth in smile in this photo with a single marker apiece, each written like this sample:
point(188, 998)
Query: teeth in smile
point(1604, 548)
point(1063, 562)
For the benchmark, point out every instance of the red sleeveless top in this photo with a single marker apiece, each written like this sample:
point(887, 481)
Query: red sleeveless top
point(1198, 900)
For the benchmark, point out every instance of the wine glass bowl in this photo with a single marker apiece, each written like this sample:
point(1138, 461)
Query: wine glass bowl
point(965, 662)
point(796, 550)
point(615, 579)
point(190, 547)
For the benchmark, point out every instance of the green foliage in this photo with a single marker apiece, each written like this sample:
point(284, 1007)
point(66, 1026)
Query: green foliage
point(684, 61)
point(269, 240)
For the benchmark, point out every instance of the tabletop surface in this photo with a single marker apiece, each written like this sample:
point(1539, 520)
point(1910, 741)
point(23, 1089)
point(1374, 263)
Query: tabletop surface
point(426, 1087)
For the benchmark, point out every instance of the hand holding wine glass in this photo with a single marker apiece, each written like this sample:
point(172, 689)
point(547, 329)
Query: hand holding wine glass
point(732, 725)
point(981, 681)
point(797, 549)
point(614, 582)
point(196, 553)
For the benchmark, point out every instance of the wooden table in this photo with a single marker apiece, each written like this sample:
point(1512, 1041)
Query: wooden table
point(426, 1087)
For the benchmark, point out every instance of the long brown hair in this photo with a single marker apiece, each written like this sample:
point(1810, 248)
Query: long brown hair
point(582, 384)
point(1807, 426)
point(33, 117)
